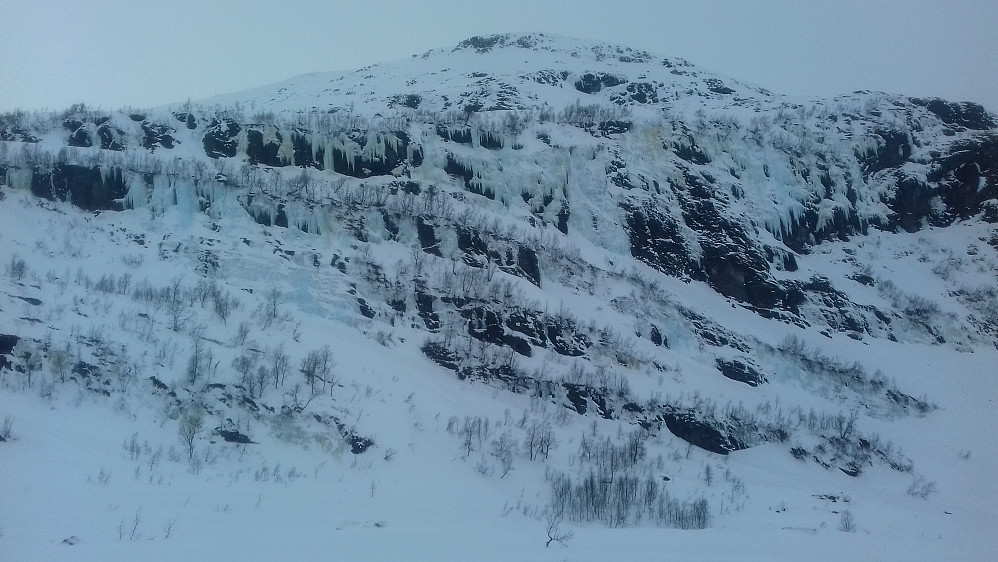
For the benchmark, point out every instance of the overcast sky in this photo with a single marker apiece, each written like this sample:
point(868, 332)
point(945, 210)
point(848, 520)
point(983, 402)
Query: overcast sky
point(113, 53)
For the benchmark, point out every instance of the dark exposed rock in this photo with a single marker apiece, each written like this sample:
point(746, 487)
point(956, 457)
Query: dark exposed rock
point(460, 135)
point(840, 313)
point(365, 308)
point(232, 436)
point(612, 127)
point(590, 82)
point(259, 152)
point(441, 355)
point(964, 179)
point(565, 340)
point(221, 138)
point(7, 344)
point(84, 369)
point(480, 43)
point(529, 325)
point(863, 279)
point(656, 336)
point(526, 259)
point(967, 176)
point(158, 384)
point(517, 344)
point(487, 325)
point(86, 188)
point(709, 435)
point(78, 133)
point(656, 240)
point(563, 214)
point(359, 444)
point(110, 137)
point(616, 172)
point(355, 160)
point(428, 240)
point(484, 324)
point(781, 258)
point(411, 101)
point(475, 249)
point(637, 92)
point(633, 408)
point(717, 86)
point(803, 231)
point(740, 371)
point(714, 334)
point(893, 149)
point(187, 119)
point(912, 203)
point(424, 307)
point(467, 136)
point(489, 140)
point(965, 114)
point(11, 132)
point(281, 218)
point(690, 152)
point(156, 135)
point(392, 227)
point(579, 396)
point(302, 153)
point(398, 305)
point(730, 261)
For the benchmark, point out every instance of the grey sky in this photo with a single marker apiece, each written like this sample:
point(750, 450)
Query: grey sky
point(113, 53)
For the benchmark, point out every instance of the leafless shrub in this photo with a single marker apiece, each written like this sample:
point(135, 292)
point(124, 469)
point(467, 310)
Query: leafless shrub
point(5, 428)
point(190, 427)
point(17, 268)
point(554, 531)
point(847, 523)
point(921, 488)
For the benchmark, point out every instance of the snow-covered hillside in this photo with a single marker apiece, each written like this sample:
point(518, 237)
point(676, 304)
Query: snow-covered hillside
point(528, 298)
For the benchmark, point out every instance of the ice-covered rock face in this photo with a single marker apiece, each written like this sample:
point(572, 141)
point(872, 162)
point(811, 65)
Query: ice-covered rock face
point(626, 238)
point(696, 175)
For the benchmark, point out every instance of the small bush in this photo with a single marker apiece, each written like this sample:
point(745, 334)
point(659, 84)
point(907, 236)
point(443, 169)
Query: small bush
point(17, 268)
point(921, 488)
point(190, 427)
point(5, 428)
point(847, 523)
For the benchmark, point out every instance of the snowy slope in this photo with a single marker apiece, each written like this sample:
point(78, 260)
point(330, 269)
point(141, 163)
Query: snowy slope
point(561, 287)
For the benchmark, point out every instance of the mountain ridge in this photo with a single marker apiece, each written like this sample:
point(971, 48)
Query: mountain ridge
point(619, 246)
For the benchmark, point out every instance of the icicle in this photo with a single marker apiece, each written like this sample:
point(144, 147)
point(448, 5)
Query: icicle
point(107, 174)
point(316, 142)
point(329, 153)
point(286, 153)
point(19, 178)
point(163, 194)
point(138, 192)
point(242, 142)
point(187, 201)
